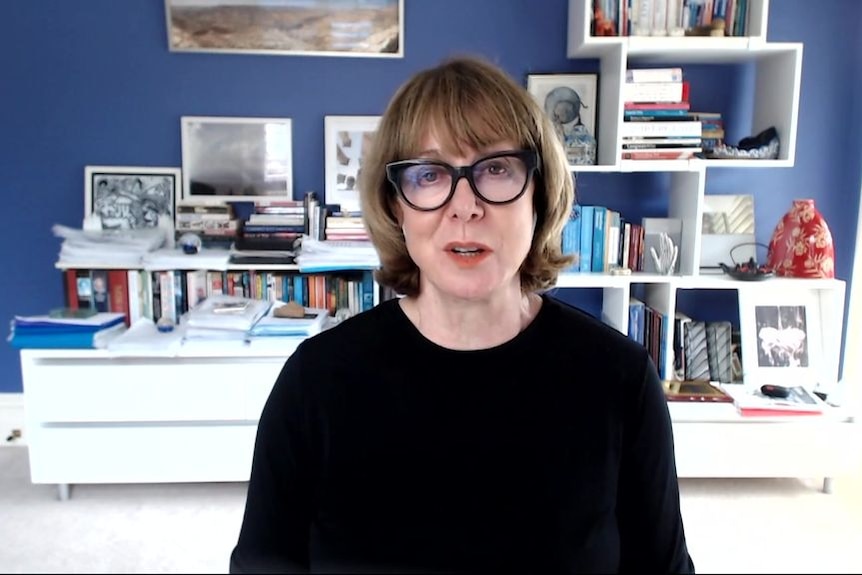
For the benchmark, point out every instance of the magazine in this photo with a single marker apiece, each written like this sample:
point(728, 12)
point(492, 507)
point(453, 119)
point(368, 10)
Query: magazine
point(750, 401)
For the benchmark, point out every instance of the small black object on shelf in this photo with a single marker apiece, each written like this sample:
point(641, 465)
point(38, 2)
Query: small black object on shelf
point(748, 271)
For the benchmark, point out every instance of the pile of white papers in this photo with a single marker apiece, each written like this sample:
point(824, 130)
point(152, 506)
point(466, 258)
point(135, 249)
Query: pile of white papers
point(329, 255)
point(89, 248)
point(222, 313)
point(271, 325)
point(176, 258)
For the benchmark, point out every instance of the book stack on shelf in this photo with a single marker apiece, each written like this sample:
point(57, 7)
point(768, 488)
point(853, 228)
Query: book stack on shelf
point(348, 226)
point(215, 224)
point(657, 125)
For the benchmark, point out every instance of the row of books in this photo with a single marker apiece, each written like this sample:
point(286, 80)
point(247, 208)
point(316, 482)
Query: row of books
point(171, 293)
point(669, 17)
point(602, 239)
point(648, 327)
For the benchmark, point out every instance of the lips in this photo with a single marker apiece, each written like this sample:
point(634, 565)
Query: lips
point(467, 255)
point(466, 249)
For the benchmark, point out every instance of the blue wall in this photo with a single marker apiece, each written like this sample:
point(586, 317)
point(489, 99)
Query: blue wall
point(92, 82)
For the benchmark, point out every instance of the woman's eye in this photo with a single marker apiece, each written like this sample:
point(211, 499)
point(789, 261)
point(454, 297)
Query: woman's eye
point(423, 175)
point(495, 168)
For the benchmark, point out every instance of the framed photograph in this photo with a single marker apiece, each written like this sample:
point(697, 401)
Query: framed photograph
point(347, 138)
point(364, 28)
point(227, 159)
point(570, 102)
point(780, 336)
point(128, 197)
point(728, 231)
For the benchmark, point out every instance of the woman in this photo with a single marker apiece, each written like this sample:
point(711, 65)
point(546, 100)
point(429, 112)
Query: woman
point(475, 424)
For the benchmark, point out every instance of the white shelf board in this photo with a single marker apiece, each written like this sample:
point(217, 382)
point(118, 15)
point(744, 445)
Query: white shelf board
point(609, 168)
point(721, 281)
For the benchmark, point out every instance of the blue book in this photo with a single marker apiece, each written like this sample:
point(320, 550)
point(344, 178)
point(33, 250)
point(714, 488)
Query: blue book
point(599, 216)
point(367, 288)
point(571, 239)
point(37, 323)
point(71, 340)
point(636, 320)
point(586, 247)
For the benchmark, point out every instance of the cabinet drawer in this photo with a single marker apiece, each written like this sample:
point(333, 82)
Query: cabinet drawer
point(103, 390)
point(129, 453)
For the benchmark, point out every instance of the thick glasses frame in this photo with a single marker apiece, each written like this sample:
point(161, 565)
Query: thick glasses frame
point(529, 157)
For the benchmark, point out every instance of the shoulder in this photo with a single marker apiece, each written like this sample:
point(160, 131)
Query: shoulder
point(574, 324)
point(592, 347)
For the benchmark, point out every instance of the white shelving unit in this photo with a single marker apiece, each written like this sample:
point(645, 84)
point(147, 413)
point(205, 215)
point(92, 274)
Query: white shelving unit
point(717, 442)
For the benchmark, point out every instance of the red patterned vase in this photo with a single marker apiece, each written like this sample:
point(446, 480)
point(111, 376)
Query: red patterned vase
point(801, 245)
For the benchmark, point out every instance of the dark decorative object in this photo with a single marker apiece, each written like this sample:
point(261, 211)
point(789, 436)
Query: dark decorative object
point(763, 146)
point(748, 271)
point(801, 245)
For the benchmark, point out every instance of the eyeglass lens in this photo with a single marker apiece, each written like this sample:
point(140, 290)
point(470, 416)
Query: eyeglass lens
point(427, 185)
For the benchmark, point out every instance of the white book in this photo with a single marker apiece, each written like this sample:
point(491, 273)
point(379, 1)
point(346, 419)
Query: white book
point(660, 129)
point(652, 92)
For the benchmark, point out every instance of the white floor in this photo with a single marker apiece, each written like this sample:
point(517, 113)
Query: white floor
point(733, 526)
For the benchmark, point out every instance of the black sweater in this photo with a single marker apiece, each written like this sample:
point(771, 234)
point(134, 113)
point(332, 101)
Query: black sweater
point(381, 451)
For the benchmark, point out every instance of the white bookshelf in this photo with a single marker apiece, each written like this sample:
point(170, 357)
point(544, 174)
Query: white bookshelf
point(717, 442)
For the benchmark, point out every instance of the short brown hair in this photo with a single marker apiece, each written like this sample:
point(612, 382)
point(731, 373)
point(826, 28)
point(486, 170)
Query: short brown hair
point(469, 103)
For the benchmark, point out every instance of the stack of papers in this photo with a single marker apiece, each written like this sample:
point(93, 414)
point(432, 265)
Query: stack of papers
point(221, 316)
point(121, 248)
point(176, 258)
point(750, 401)
point(270, 325)
point(47, 332)
point(333, 255)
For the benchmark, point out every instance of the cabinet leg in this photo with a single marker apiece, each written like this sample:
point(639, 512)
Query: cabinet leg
point(63, 491)
point(827, 485)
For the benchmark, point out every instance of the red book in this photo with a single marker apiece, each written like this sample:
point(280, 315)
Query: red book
point(118, 293)
point(71, 288)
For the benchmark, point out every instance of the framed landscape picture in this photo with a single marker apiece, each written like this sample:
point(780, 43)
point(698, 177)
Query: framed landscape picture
point(131, 197)
point(231, 159)
point(780, 336)
point(347, 139)
point(570, 100)
point(365, 28)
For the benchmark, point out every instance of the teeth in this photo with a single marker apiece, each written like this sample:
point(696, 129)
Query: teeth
point(466, 250)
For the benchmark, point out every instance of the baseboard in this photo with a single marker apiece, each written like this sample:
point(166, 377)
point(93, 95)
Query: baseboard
point(12, 419)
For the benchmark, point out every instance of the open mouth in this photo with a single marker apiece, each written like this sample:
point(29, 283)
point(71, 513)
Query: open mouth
point(467, 251)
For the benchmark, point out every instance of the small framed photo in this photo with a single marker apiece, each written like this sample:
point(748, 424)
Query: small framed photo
point(781, 336)
point(130, 197)
point(370, 28)
point(347, 139)
point(570, 102)
point(230, 159)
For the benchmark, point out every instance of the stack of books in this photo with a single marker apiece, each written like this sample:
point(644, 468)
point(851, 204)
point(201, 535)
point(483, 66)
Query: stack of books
point(221, 316)
point(657, 124)
point(62, 330)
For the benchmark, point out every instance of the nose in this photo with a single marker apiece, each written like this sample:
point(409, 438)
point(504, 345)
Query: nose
point(465, 204)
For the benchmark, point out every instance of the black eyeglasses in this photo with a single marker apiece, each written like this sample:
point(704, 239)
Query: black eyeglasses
point(498, 178)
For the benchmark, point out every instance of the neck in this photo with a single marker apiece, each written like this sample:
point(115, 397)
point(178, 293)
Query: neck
point(467, 324)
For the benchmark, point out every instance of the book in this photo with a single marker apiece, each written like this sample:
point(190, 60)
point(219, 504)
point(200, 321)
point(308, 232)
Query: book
point(97, 339)
point(751, 402)
point(696, 390)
